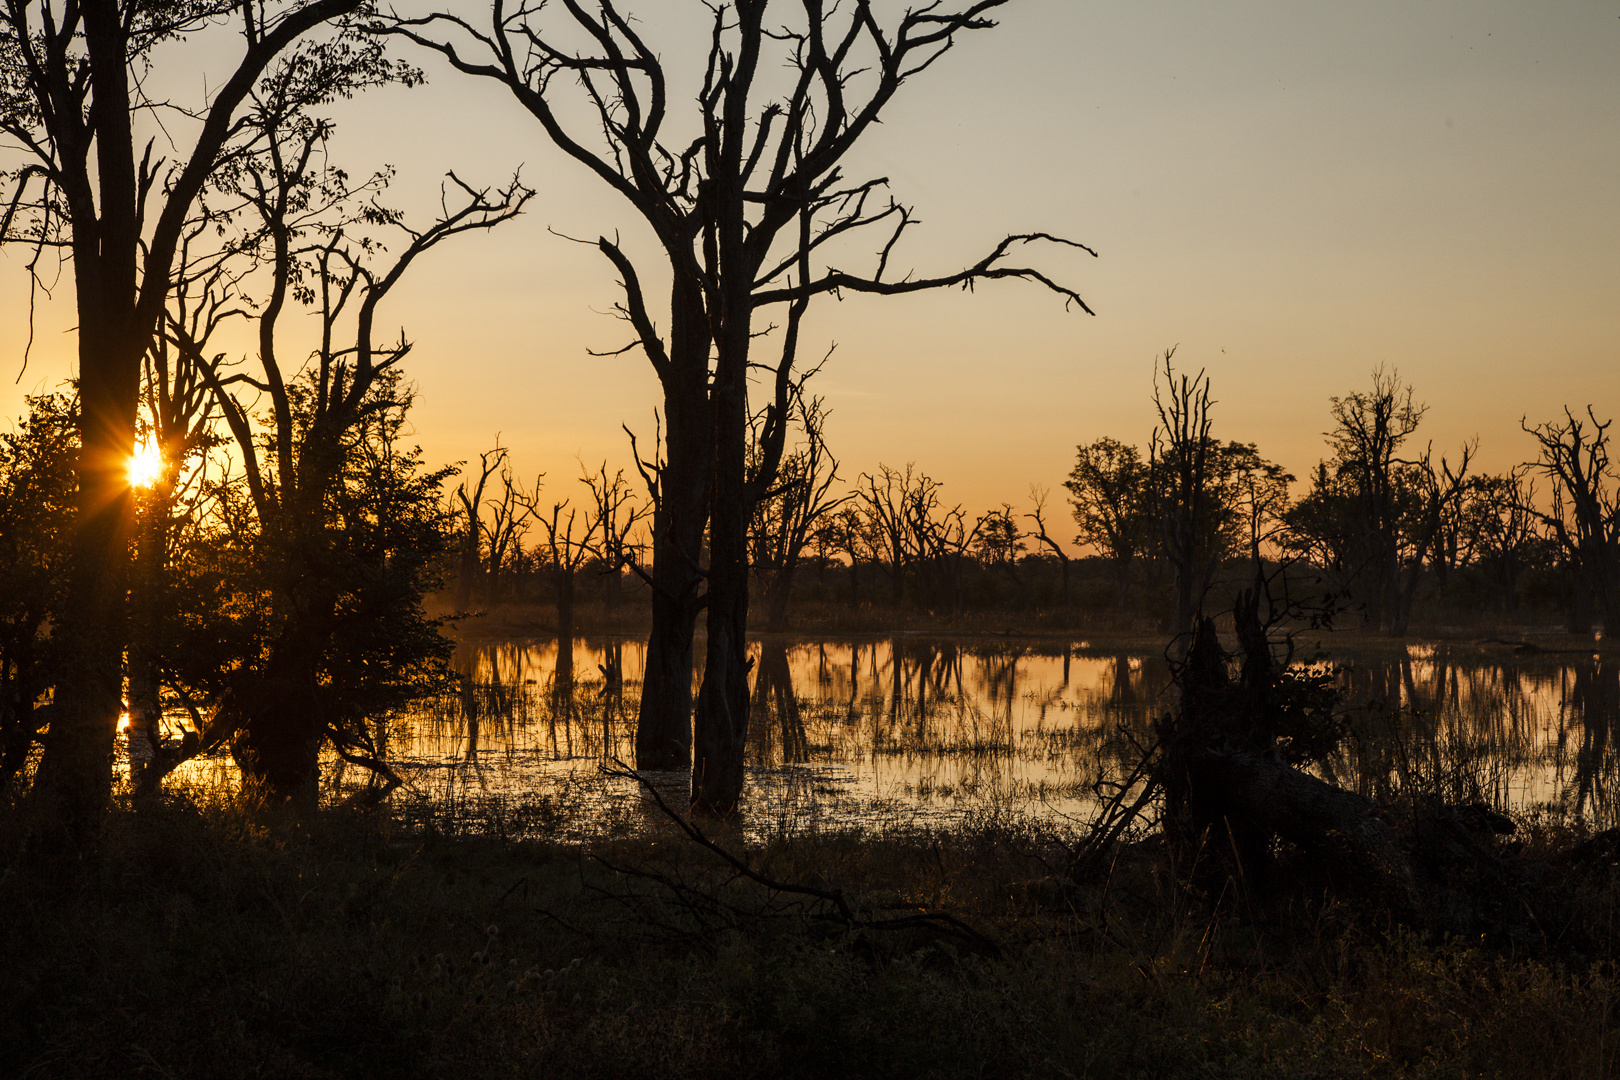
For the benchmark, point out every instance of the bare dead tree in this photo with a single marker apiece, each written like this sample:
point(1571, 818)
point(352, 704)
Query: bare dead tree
point(1440, 491)
point(883, 501)
point(1182, 471)
point(1370, 428)
point(615, 513)
point(471, 504)
point(511, 508)
point(1037, 496)
point(940, 539)
point(1508, 525)
point(786, 518)
point(749, 214)
point(846, 532)
point(1584, 516)
point(565, 554)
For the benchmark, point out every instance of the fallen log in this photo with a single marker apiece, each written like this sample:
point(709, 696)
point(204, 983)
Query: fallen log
point(1342, 828)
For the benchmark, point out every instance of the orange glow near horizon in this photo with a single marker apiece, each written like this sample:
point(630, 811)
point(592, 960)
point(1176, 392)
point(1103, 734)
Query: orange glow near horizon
point(145, 464)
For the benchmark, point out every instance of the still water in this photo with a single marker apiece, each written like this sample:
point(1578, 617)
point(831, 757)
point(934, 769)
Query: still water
point(908, 730)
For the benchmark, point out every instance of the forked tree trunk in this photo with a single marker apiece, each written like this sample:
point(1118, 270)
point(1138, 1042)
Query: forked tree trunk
point(115, 322)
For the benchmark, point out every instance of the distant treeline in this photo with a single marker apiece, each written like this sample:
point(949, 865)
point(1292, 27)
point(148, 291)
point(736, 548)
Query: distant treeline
point(1382, 528)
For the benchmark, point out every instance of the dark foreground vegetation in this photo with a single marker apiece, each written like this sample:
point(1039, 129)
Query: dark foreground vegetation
point(208, 938)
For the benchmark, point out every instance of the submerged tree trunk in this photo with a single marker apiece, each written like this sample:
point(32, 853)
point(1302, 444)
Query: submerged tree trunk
point(664, 721)
point(720, 724)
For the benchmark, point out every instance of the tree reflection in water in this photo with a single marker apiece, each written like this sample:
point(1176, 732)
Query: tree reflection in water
point(912, 725)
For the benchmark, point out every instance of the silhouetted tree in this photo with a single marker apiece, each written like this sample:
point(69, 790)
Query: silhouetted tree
point(565, 554)
point(745, 214)
point(940, 540)
point(787, 516)
point(1037, 496)
point(469, 509)
point(1181, 484)
point(74, 74)
point(1369, 430)
point(510, 508)
point(883, 527)
point(998, 542)
point(327, 446)
point(1257, 490)
point(36, 520)
point(1585, 513)
point(1439, 494)
point(614, 516)
point(1108, 492)
point(846, 533)
point(1501, 517)
point(1372, 516)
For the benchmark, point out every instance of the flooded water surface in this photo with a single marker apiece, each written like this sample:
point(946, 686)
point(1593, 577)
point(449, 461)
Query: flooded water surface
point(911, 730)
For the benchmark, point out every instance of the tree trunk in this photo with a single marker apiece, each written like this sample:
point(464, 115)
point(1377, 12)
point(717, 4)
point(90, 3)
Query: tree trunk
point(1580, 601)
point(664, 722)
point(777, 596)
point(720, 724)
point(75, 774)
point(564, 677)
point(284, 715)
point(280, 742)
point(469, 568)
point(145, 647)
point(1340, 827)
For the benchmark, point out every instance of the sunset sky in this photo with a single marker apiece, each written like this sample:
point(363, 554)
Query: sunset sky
point(1292, 193)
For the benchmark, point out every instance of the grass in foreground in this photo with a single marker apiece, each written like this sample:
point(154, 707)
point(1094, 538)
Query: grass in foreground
point(216, 940)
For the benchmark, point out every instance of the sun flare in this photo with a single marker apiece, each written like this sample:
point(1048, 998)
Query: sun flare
point(145, 464)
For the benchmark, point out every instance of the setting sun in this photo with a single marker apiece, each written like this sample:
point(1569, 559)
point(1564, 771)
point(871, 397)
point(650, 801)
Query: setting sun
point(145, 464)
